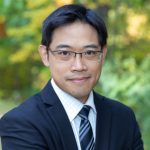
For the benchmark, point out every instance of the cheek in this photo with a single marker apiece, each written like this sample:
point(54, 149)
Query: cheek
point(96, 71)
point(58, 70)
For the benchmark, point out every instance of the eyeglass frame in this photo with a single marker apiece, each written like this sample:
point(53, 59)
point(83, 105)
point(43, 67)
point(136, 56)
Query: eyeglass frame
point(75, 53)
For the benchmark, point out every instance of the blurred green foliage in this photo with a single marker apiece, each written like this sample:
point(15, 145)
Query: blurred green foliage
point(126, 72)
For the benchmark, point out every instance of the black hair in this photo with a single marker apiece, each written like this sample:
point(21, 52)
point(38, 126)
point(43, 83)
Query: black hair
point(68, 14)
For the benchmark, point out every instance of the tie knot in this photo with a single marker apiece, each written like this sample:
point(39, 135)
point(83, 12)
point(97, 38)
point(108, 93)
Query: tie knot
point(84, 113)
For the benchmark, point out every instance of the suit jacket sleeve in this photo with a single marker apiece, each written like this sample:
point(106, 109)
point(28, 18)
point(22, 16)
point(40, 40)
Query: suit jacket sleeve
point(117, 128)
point(18, 133)
point(137, 140)
point(127, 125)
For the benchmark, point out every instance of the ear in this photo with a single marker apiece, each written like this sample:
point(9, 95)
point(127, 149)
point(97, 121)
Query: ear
point(104, 54)
point(44, 55)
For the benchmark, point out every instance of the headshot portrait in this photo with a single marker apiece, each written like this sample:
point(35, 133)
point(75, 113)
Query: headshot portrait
point(68, 113)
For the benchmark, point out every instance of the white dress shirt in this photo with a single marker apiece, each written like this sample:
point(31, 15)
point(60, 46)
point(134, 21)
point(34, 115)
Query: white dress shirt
point(72, 107)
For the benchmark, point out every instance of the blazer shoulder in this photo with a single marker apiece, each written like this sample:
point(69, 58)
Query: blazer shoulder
point(26, 109)
point(27, 115)
point(114, 105)
point(23, 125)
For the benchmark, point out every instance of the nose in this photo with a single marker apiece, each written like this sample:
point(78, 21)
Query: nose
point(78, 64)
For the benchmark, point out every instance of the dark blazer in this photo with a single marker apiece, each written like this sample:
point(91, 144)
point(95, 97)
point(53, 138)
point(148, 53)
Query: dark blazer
point(41, 123)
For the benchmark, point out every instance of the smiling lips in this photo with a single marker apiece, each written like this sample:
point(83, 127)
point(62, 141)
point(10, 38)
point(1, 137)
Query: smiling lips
point(79, 80)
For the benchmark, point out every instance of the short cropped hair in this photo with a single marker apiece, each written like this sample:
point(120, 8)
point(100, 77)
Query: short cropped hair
point(68, 14)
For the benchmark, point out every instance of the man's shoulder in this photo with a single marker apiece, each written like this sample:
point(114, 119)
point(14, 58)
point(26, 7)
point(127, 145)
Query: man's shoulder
point(119, 112)
point(113, 104)
point(28, 108)
point(28, 120)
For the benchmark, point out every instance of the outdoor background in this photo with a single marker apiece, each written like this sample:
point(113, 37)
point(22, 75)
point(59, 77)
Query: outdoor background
point(126, 73)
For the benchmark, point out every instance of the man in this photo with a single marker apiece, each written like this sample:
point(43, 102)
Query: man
point(67, 114)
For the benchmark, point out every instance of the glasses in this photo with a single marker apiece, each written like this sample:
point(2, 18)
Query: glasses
point(65, 55)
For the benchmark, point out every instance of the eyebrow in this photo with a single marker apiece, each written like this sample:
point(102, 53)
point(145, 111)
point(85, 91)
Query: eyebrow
point(63, 46)
point(86, 46)
point(91, 46)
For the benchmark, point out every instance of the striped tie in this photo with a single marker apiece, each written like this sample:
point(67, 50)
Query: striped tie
point(85, 131)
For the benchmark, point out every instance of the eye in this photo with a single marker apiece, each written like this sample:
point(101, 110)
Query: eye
point(64, 53)
point(90, 53)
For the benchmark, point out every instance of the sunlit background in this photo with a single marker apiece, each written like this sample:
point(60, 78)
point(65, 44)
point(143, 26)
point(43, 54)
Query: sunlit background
point(126, 73)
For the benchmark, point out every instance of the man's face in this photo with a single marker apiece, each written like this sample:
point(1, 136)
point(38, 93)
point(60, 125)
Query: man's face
point(76, 76)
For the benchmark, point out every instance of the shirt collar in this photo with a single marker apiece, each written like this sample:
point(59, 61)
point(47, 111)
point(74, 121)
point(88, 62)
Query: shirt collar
point(72, 105)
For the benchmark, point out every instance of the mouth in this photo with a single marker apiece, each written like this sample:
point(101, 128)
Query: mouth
point(79, 80)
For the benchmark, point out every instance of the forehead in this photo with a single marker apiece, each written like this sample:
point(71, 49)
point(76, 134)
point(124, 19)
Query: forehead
point(75, 34)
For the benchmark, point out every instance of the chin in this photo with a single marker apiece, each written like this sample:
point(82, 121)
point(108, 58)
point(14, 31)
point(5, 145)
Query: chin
point(80, 96)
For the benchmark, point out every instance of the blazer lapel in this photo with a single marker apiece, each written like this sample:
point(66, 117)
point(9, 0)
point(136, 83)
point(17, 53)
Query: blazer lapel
point(103, 124)
point(60, 119)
